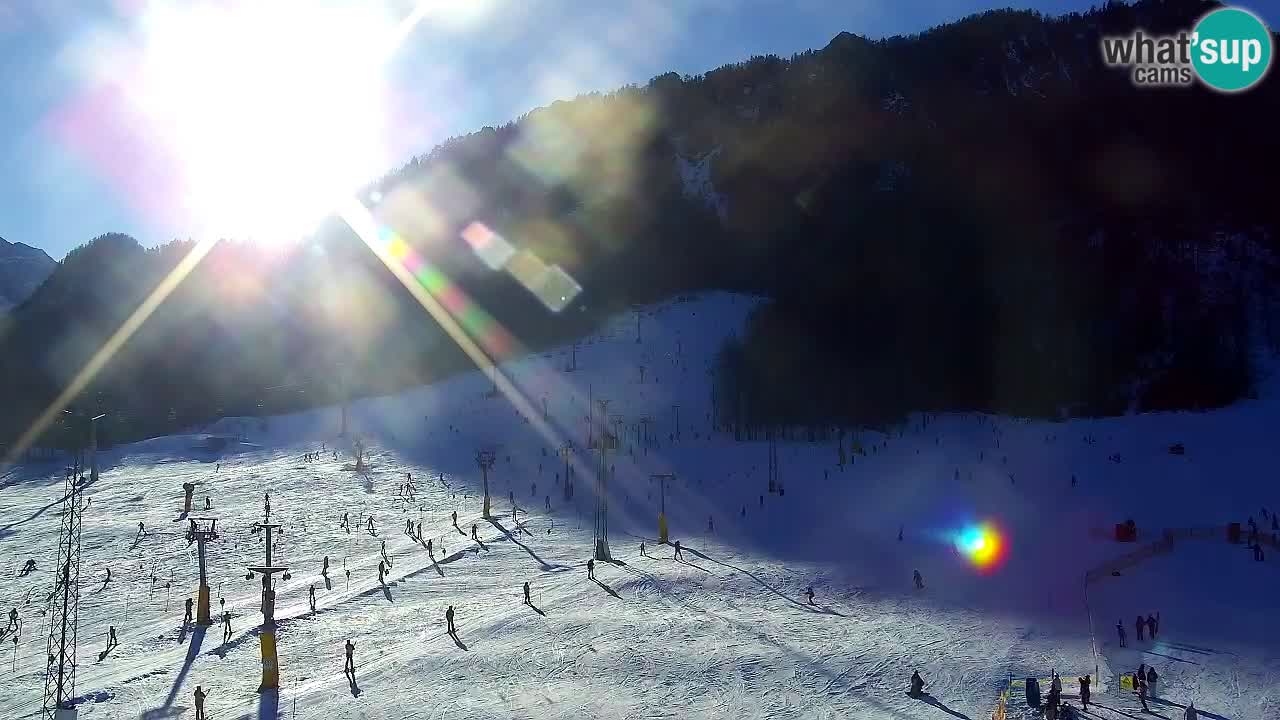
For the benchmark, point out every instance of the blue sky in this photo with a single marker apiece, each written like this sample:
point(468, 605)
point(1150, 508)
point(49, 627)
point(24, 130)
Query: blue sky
point(451, 76)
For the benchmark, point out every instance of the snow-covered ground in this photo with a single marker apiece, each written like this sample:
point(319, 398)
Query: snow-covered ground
point(727, 632)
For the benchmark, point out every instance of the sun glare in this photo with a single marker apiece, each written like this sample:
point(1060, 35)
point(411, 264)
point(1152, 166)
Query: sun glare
point(272, 111)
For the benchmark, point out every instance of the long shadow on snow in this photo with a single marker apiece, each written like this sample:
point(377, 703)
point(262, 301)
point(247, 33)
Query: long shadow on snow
point(5, 530)
point(457, 641)
point(1175, 659)
point(268, 705)
point(774, 590)
point(1200, 711)
point(1128, 715)
point(193, 650)
point(545, 565)
point(607, 589)
point(928, 699)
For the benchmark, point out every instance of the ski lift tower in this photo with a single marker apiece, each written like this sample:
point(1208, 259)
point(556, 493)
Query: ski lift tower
point(270, 665)
point(485, 459)
point(202, 531)
point(64, 617)
point(566, 452)
point(662, 508)
point(602, 487)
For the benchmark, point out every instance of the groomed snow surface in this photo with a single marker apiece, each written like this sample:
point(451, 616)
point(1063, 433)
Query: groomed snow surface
point(725, 633)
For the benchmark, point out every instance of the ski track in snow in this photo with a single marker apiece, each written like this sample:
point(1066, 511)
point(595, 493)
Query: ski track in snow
point(726, 633)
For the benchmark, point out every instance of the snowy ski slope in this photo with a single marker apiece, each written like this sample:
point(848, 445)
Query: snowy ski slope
point(726, 633)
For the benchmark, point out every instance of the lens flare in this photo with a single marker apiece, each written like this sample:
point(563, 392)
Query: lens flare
point(984, 546)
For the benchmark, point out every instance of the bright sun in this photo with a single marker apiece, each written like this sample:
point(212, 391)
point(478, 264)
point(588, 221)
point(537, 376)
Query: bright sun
point(273, 111)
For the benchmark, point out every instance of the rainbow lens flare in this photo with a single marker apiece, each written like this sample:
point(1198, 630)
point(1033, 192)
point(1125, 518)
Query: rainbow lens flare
point(984, 546)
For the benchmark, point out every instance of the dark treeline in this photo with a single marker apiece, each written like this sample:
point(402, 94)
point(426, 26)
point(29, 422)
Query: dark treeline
point(977, 217)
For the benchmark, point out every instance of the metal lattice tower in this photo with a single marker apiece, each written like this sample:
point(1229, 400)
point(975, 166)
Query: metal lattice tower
point(602, 488)
point(64, 616)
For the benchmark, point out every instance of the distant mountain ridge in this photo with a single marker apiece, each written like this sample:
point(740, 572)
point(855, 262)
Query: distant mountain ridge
point(22, 269)
point(978, 217)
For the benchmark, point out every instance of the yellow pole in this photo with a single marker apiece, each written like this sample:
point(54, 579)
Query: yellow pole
point(202, 607)
point(662, 527)
point(270, 668)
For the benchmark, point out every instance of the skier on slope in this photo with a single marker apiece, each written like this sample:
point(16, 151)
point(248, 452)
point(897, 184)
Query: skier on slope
point(591, 569)
point(918, 580)
point(349, 669)
point(526, 593)
point(809, 591)
point(370, 527)
point(1120, 631)
point(448, 618)
point(679, 555)
point(312, 597)
point(1190, 713)
point(187, 618)
point(1140, 625)
point(1151, 627)
point(430, 551)
point(455, 518)
point(226, 627)
point(200, 695)
point(917, 684)
point(1085, 680)
point(642, 549)
point(474, 536)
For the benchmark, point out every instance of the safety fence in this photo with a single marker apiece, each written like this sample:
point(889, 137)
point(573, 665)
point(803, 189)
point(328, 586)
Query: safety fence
point(1015, 687)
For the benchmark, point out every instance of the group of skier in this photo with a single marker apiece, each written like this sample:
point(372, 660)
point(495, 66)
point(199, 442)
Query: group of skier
point(1148, 625)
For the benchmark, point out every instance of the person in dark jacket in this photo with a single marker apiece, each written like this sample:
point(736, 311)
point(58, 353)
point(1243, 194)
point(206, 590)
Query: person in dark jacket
point(917, 683)
point(1084, 691)
point(1120, 631)
point(1151, 626)
point(1140, 625)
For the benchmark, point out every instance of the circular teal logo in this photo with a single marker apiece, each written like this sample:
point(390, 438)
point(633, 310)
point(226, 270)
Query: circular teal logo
point(1231, 49)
